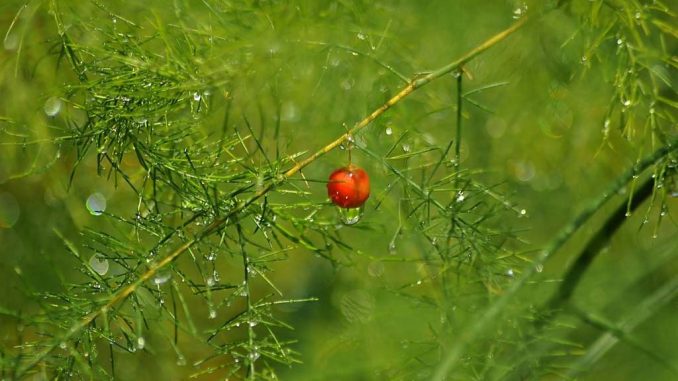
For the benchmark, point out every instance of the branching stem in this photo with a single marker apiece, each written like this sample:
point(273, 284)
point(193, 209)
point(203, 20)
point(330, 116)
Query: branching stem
point(217, 224)
point(489, 315)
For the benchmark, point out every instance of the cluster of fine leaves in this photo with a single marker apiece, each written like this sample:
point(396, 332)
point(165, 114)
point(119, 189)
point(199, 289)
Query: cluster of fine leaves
point(191, 114)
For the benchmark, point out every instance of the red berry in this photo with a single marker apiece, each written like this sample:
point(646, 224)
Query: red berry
point(349, 187)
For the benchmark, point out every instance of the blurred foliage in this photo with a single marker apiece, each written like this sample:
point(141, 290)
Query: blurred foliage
point(129, 129)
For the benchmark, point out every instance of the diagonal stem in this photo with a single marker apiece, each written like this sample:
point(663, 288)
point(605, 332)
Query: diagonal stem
point(219, 223)
point(455, 351)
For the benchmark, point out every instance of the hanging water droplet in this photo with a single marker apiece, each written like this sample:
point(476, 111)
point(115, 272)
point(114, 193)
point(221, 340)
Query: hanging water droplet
point(96, 204)
point(406, 147)
point(361, 36)
point(509, 272)
point(392, 248)
point(62, 345)
point(11, 41)
point(211, 256)
point(197, 96)
point(253, 323)
point(351, 216)
point(347, 84)
point(141, 342)
point(52, 106)
point(162, 277)
point(99, 264)
point(181, 360)
point(253, 356)
point(389, 131)
point(210, 282)
point(213, 313)
point(523, 212)
point(460, 196)
point(539, 268)
point(620, 41)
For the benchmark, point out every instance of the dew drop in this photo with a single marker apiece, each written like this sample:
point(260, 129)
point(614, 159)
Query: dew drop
point(389, 131)
point(99, 264)
point(213, 313)
point(347, 84)
point(509, 272)
point(253, 323)
point(211, 256)
point(539, 268)
point(523, 212)
point(460, 196)
point(361, 36)
point(406, 147)
point(253, 356)
point(392, 248)
point(162, 277)
point(11, 41)
point(197, 96)
point(210, 282)
point(52, 106)
point(520, 11)
point(181, 360)
point(141, 342)
point(96, 204)
point(350, 216)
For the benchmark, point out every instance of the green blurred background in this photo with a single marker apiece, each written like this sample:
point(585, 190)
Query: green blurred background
point(537, 134)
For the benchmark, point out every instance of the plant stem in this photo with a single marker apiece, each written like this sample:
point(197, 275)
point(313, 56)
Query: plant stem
point(219, 223)
point(457, 142)
point(593, 248)
point(485, 318)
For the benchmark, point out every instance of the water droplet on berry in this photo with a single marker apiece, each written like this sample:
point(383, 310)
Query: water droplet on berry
point(351, 216)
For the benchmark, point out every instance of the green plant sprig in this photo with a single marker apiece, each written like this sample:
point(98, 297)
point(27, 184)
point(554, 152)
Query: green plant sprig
point(413, 85)
point(487, 317)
